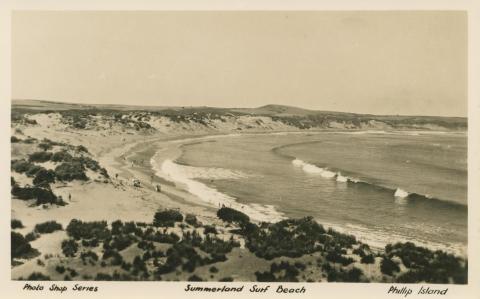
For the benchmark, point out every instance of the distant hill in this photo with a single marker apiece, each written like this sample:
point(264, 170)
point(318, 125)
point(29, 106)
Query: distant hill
point(290, 116)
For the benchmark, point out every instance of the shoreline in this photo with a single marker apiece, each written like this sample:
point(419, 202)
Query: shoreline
point(130, 157)
point(181, 192)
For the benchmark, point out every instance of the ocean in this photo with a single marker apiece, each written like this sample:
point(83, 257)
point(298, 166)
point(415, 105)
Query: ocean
point(382, 187)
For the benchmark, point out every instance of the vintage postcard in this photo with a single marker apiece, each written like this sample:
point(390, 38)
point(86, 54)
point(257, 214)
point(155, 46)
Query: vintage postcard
point(311, 151)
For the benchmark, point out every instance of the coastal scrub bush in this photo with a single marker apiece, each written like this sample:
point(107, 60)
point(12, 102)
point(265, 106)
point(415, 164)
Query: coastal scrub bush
point(60, 269)
point(282, 272)
point(121, 242)
point(341, 275)
point(44, 177)
point(45, 146)
point(192, 220)
point(387, 266)
point(61, 156)
point(15, 223)
point(40, 157)
point(427, 265)
point(167, 218)
point(367, 259)
point(335, 257)
point(14, 139)
point(81, 149)
point(48, 227)
point(171, 238)
point(32, 236)
point(42, 195)
point(69, 171)
point(116, 258)
point(33, 170)
point(289, 237)
point(78, 229)
point(21, 166)
point(38, 276)
point(20, 246)
point(210, 229)
point(90, 256)
point(69, 247)
point(231, 215)
point(195, 278)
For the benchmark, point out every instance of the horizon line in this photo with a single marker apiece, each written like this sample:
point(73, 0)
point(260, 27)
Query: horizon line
point(230, 107)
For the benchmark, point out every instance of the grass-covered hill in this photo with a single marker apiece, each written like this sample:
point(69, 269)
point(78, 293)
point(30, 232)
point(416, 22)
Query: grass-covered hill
point(270, 117)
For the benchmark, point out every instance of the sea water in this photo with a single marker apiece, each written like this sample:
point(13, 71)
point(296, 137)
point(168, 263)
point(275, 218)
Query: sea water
point(383, 187)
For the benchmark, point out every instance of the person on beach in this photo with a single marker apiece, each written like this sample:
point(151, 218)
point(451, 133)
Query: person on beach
point(69, 197)
point(158, 188)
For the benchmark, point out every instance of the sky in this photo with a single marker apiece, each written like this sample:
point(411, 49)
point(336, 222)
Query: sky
point(408, 63)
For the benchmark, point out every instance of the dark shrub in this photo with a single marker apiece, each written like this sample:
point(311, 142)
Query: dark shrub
point(44, 146)
point(44, 177)
point(69, 171)
point(335, 257)
point(30, 121)
point(290, 237)
point(388, 266)
point(20, 166)
point(29, 140)
point(42, 195)
point(48, 227)
point(167, 218)
point(226, 279)
point(69, 247)
point(249, 228)
point(171, 238)
point(210, 229)
point(367, 259)
point(14, 139)
point(40, 157)
point(121, 242)
point(32, 236)
point(88, 230)
point(81, 148)
point(38, 276)
point(89, 255)
point(231, 215)
point(60, 269)
point(411, 276)
point(61, 156)
point(213, 269)
point(33, 170)
point(192, 220)
point(195, 278)
point(15, 223)
point(139, 265)
point(90, 243)
point(103, 277)
point(20, 246)
point(353, 275)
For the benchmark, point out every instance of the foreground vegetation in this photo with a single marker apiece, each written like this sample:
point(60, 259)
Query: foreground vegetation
point(71, 163)
point(174, 245)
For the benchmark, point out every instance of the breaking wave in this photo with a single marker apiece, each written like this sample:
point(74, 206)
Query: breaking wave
point(185, 176)
point(397, 192)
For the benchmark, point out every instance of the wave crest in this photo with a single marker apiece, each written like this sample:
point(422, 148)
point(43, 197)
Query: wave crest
point(185, 175)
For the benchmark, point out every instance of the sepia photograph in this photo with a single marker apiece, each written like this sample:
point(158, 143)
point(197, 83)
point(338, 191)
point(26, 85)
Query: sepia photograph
point(304, 147)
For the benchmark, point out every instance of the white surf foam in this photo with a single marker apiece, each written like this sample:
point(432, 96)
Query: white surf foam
point(341, 178)
point(401, 193)
point(185, 175)
point(310, 168)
